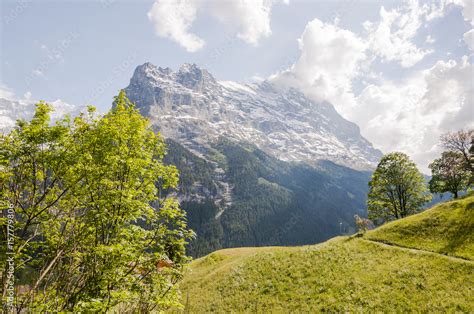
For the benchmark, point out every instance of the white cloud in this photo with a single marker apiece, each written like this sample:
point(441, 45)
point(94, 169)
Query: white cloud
point(384, 113)
point(430, 40)
point(392, 37)
point(330, 58)
point(469, 39)
point(251, 17)
point(468, 15)
point(439, 8)
point(467, 9)
point(38, 72)
point(173, 19)
point(6, 92)
point(410, 116)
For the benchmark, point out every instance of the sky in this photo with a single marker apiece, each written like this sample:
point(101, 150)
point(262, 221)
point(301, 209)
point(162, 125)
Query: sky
point(401, 70)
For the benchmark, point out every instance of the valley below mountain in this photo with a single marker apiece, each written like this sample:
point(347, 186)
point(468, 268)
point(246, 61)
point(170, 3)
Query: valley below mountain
point(259, 164)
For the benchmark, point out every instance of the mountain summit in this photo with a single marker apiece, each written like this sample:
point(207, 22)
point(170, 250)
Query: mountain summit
point(193, 108)
point(255, 160)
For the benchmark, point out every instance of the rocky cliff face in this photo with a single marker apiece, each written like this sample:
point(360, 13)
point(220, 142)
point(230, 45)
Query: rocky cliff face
point(193, 108)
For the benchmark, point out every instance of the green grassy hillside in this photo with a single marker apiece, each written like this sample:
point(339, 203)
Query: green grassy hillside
point(447, 228)
point(347, 273)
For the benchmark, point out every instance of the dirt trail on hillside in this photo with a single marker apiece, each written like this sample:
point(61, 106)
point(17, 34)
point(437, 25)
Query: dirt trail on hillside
point(414, 250)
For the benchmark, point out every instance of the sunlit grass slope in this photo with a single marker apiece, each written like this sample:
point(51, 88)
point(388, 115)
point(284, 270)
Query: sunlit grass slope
point(446, 228)
point(347, 273)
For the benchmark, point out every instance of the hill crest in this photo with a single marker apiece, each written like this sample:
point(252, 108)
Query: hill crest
point(342, 274)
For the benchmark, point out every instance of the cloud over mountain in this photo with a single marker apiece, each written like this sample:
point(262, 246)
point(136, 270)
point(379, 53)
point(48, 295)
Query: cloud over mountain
point(406, 114)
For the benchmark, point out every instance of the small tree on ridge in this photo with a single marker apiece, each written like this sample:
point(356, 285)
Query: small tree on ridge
point(397, 188)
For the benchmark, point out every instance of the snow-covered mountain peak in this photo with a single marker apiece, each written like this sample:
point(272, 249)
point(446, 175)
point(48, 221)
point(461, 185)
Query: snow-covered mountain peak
point(12, 110)
point(189, 76)
point(193, 77)
point(191, 107)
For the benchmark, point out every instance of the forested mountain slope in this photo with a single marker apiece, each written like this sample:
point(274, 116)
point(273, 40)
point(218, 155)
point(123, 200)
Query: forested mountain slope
point(244, 197)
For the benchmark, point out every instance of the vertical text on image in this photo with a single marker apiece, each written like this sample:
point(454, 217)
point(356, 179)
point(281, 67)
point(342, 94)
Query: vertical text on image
point(10, 253)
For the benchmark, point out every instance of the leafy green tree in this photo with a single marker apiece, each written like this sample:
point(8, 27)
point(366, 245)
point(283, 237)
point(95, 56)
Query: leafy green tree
point(449, 173)
point(91, 232)
point(397, 189)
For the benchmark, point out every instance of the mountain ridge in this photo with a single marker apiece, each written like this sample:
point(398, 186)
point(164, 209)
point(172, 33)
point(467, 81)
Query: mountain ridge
point(255, 160)
point(192, 107)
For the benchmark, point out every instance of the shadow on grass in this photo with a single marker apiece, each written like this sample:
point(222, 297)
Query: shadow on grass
point(464, 231)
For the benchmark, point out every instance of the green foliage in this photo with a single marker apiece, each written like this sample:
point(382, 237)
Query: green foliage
point(446, 228)
point(344, 274)
point(449, 174)
point(397, 189)
point(88, 237)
